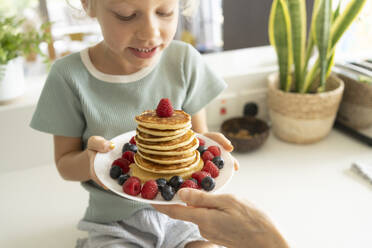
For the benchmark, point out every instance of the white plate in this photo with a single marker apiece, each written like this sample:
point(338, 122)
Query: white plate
point(103, 161)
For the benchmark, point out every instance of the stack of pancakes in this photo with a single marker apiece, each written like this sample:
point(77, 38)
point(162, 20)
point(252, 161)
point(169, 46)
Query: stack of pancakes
point(166, 147)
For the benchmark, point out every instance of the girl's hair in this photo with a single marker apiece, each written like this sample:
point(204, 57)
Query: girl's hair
point(187, 7)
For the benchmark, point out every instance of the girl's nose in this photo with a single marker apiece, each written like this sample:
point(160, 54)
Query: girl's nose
point(149, 28)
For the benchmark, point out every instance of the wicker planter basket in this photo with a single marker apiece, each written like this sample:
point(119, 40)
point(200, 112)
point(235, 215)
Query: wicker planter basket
point(303, 118)
point(356, 105)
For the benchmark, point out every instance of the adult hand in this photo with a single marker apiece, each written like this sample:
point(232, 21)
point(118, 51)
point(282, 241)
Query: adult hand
point(224, 220)
point(224, 142)
point(97, 144)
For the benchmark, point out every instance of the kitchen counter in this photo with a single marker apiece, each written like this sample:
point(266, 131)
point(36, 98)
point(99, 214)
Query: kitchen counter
point(308, 191)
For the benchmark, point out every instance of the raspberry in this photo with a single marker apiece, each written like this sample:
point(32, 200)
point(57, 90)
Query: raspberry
point(164, 108)
point(149, 190)
point(215, 150)
point(123, 164)
point(129, 155)
point(189, 184)
point(132, 186)
point(207, 155)
point(199, 175)
point(201, 142)
point(210, 167)
point(132, 141)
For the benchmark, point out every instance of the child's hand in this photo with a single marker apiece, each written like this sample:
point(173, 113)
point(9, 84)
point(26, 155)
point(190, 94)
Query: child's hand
point(97, 144)
point(224, 142)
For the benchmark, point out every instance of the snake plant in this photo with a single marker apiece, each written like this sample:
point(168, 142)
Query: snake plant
point(287, 34)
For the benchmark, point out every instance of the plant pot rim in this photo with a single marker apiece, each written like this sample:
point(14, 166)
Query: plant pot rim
point(273, 83)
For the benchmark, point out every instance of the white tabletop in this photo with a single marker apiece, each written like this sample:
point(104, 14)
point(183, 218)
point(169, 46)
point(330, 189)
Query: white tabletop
point(308, 191)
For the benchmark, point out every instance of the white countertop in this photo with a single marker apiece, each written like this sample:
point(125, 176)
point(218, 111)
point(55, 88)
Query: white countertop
point(307, 190)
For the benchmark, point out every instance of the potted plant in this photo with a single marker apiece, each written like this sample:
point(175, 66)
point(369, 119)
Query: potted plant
point(15, 43)
point(356, 105)
point(303, 98)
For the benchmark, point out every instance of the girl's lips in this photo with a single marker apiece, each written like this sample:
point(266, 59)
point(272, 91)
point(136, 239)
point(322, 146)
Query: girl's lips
point(143, 53)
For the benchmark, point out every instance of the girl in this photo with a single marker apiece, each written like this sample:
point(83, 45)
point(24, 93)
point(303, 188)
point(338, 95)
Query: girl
point(93, 96)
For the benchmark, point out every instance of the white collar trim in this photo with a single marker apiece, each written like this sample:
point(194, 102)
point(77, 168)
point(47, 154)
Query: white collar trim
point(84, 54)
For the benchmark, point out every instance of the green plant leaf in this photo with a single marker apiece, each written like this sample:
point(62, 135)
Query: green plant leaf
point(297, 11)
point(281, 39)
point(15, 42)
point(309, 46)
point(340, 25)
point(344, 20)
point(321, 32)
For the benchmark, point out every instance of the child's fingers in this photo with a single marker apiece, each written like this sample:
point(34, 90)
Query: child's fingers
point(100, 144)
point(236, 164)
point(220, 139)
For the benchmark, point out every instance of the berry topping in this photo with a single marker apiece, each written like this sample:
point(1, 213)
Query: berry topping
point(115, 172)
point(168, 192)
point(132, 186)
point(190, 184)
point(122, 163)
point(175, 182)
point(201, 142)
point(129, 147)
point(208, 183)
point(129, 155)
point(215, 150)
point(161, 182)
point(207, 155)
point(201, 150)
point(123, 178)
point(210, 167)
point(218, 161)
point(199, 175)
point(132, 141)
point(194, 180)
point(149, 190)
point(164, 108)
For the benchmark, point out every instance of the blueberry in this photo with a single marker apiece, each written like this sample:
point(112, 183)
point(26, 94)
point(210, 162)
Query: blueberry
point(168, 192)
point(123, 178)
point(202, 149)
point(195, 181)
point(175, 182)
point(161, 182)
point(115, 172)
point(218, 161)
point(208, 183)
point(129, 147)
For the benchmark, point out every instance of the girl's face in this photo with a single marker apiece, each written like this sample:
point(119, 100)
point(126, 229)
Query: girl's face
point(136, 31)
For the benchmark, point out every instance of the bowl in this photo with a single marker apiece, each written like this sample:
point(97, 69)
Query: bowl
point(245, 133)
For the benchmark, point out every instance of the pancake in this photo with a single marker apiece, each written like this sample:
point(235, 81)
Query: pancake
point(152, 138)
point(177, 151)
point(146, 175)
point(167, 145)
point(149, 119)
point(162, 133)
point(161, 159)
point(165, 169)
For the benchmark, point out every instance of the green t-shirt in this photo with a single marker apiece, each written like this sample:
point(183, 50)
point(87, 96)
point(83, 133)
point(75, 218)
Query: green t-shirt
point(80, 101)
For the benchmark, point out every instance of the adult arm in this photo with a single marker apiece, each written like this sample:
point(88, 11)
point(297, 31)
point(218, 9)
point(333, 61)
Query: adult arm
point(225, 220)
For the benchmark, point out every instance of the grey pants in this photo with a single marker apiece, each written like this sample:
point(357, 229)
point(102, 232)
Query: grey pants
point(146, 228)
